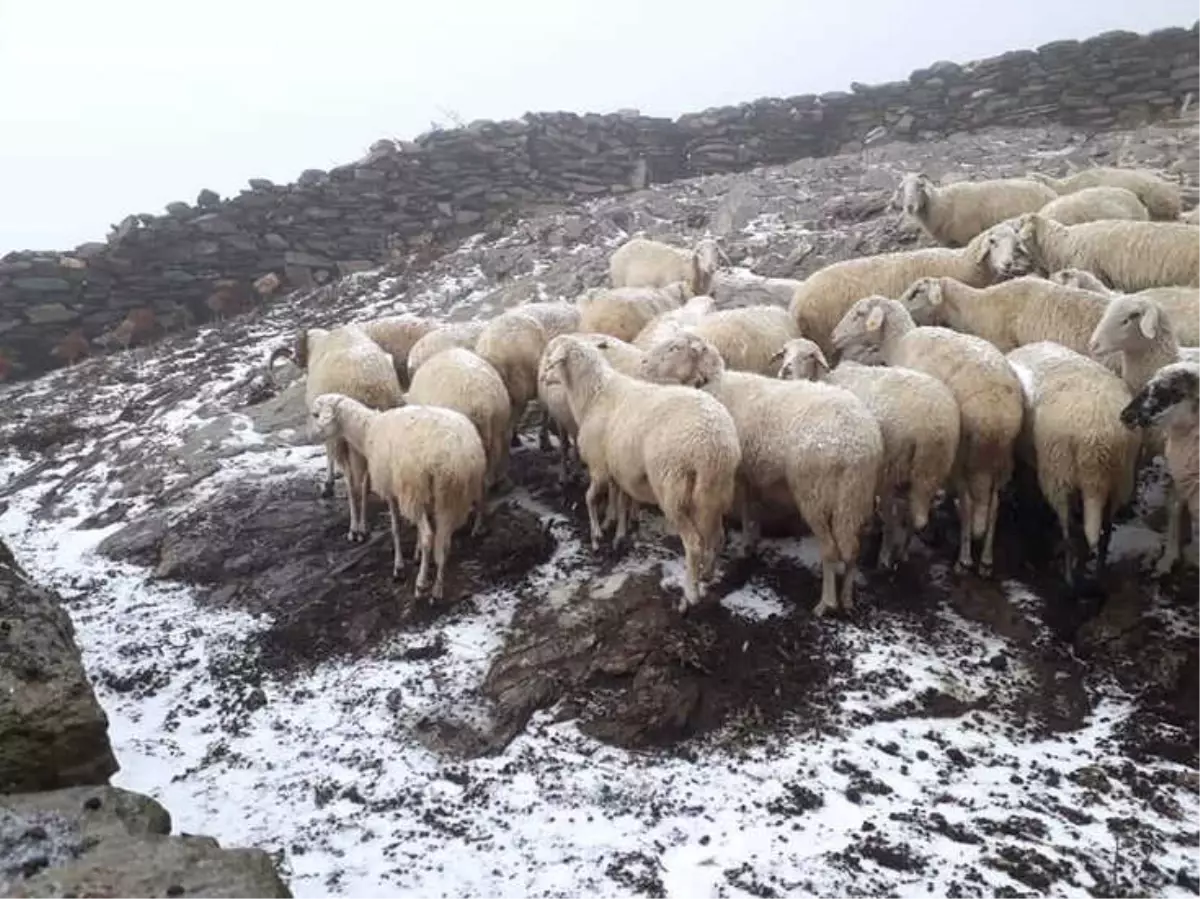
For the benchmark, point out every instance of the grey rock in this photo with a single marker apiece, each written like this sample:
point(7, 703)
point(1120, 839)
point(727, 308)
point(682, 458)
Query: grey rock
point(261, 184)
point(275, 241)
point(178, 209)
point(311, 260)
point(41, 285)
point(310, 177)
point(215, 223)
point(49, 314)
point(138, 541)
point(207, 199)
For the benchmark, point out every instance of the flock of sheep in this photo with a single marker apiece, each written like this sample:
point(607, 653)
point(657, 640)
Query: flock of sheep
point(1047, 327)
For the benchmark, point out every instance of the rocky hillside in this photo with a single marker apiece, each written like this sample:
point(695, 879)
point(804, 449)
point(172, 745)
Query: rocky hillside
point(555, 727)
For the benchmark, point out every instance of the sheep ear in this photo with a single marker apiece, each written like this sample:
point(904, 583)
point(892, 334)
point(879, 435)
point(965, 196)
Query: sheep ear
point(875, 319)
point(820, 356)
point(601, 344)
point(1149, 322)
point(777, 358)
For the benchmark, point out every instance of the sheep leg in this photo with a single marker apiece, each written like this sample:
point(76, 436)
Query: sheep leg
point(1106, 532)
point(425, 541)
point(544, 432)
point(692, 556)
point(887, 515)
point(750, 528)
point(330, 452)
point(829, 595)
point(356, 484)
point(847, 596)
point(989, 538)
point(965, 559)
point(1062, 509)
point(1175, 507)
point(397, 552)
point(622, 503)
point(441, 552)
point(479, 513)
point(593, 500)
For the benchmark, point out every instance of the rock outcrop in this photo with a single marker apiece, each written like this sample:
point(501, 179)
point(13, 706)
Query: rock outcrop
point(213, 257)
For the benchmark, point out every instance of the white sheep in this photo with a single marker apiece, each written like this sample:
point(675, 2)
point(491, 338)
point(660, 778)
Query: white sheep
point(454, 334)
point(1160, 197)
point(919, 419)
point(1182, 304)
point(737, 287)
point(1170, 401)
point(624, 311)
point(640, 262)
point(397, 334)
point(989, 402)
point(811, 447)
point(826, 295)
point(1136, 328)
point(1009, 314)
point(668, 445)
point(955, 214)
point(512, 343)
point(459, 379)
point(1130, 256)
point(345, 361)
point(748, 338)
point(556, 317)
point(426, 462)
point(1095, 204)
point(668, 324)
point(1072, 437)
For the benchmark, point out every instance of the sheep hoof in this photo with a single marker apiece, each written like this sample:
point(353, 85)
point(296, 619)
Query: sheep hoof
point(1165, 565)
point(985, 569)
point(961, 567)
point(397, 574)
point(544, 443)
point(682, 606)
point(327, 490)
point(820, 610)
point(439, 591)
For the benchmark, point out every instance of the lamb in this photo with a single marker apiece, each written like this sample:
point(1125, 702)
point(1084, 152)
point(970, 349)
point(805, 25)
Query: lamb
point(640, 262)
point(826, 295)
point(1160, 197)
point(737, 287)
point(668, 324)
point(1094, 204)
point(345, 361)
point(919, 420)
point(954, 214)
point(1072, 437)
point(625, 311)
point(396, 335)
point(1136, 327)
point(811, 446)
point(663, 444)
point(748, 338)
point(512, 343)
point(1130, 256)
point(989, 402)
point(139, 325)
point(1169, 400)
point(1009, 314)
point(1182, 304)
point(426, 462)
point(72, 348)
point(455, 334)
point(460, 380)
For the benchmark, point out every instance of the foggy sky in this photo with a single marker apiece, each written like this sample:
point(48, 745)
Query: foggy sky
point(124, 106)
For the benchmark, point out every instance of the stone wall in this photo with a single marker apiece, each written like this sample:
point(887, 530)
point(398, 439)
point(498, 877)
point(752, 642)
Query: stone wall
point(201, 257)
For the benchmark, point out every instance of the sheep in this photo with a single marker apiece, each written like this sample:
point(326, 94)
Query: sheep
point(345, 361)
point(1130, 256)
point(396, 335)
point(1136, 327)
point(954, 214)
point(663, 444)
point(748, 338)
point(668, 324)
point(1161, 198)
point(1095, 204)
point(1009, 314)
point(455, 334)
point(1072, 437)
point(426, 462)
point(557, 317)
point(459, 379)
point(623, 312)
point(919, 420)
point(512, 343)
point(989, 402)
point(640, 262)
point(72, 348)
point(1191, 217)
point(1182, 304)
point(811, 446)
point(741, 288)
point(1169, 400)
point(139, 325)
point(825, 296)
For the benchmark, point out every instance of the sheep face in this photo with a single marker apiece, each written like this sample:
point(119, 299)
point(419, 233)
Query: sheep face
point(923, 300)
point(1079, 279)
point(1128, 323)
point(323, 417)
point(1006, 252)
point(801, 360)
point(556, 358)
point(912, 196)
point(683, 359)
point(704, 264)
point(1172, 396)
point(862, 325)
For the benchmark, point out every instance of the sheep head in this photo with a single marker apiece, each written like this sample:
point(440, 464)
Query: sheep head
point(1079, 279)
point(866, 322)
point(801, 360)
point(923, 300)
point(324, 416)
point(912, 196)
point(1171, 396)
point(683, 359)
point(1128, 323)
point(1005, 250)
point(705, 260)
point(560, 357)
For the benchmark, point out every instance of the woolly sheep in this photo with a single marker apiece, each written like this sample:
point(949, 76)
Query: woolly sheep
point(640, 262)
point(663, 444)
point(347, 362)
point(72, 348)
point(396, 335)
point(919, 420)
point(459, 379)
point(1169, 400)
point(954, 214)
point(1130, 256)
point(1182, 304)
point(1161, 198)
point(668, 324)
point(1095, 204)
point(748, 338)
point(455, 334)
point(556, 317)
point(1136, 327)
point(989, 402)
point(426, 462)
point(735, 287)
point(1072, 437)
point(826, 295)
point(512, 343)
point(623, 312)
point(1009, 314)
point(812, 447)
point(138, 326)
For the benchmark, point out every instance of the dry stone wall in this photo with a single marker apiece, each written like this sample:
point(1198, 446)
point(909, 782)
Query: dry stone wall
point(199, 260)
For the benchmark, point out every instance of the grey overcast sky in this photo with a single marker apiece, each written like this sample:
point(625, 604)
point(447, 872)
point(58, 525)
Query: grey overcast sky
point(122, 106)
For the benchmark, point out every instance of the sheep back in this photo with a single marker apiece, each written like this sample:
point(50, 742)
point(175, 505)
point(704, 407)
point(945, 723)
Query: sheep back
point(1093, 204)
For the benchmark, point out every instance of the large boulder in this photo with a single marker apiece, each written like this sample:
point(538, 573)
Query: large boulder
point(53, 732)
